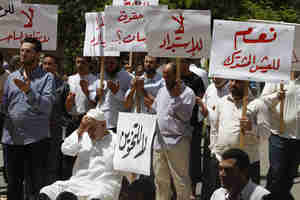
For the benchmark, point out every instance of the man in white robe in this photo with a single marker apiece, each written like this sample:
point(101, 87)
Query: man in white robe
point(93, 175)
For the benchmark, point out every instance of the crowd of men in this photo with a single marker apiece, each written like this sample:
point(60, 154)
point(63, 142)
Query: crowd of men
point(59, 135)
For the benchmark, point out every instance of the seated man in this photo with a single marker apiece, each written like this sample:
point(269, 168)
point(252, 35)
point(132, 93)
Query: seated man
point(93, 175)
point(234, 178)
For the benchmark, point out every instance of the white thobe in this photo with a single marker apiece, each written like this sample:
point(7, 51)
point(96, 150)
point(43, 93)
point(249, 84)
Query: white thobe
point(93, 174)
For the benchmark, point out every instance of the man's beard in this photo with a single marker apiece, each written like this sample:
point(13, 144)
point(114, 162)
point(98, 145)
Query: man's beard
point(237, 93)
point(113, 73)
point(28, 62)
point(170, 85)
point(150, 71)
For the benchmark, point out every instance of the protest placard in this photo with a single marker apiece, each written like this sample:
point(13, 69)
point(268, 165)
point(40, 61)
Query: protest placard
point(38, 21)
point(135, 2)
point(135, 134)
point(251, 51)
point(179, 33)
point(125, 27)
point(296, 50)
point(94, 42)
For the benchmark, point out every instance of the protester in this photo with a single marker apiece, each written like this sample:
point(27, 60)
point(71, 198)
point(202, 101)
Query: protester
point(14, 63)
point(215, 91)
point(234, 177)
point(283, 147)
point(27, 103)
point(50, 64)
point(78, 102)
point(110, 99)
point(93, 175)
point(3, 77)
point(195, 82)
point(145, 87)
point(173, 104)
point(227, 129)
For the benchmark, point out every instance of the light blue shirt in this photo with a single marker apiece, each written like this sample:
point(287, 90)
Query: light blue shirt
point(27, 115)
point(173, 116)
point(111, 104)
point(151, 86)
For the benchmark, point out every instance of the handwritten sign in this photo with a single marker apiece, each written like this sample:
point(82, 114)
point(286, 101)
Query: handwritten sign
point(135, 2)
point(125, 27)
point(184, 33)
point(296, 50)
point(133, 152)
point(94, 43)
point(8, 8)
point(251, 51)
point(38, 21)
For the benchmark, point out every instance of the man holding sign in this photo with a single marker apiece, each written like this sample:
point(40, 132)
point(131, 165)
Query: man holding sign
point(228, 127)
point(284, 148)
point(174, 105)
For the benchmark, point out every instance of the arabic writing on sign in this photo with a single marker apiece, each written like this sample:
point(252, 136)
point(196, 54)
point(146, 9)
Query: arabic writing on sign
point(263, 37)
point(29, 16)
point(98, 41)
point(13, 36)
point(9, 10)
point(100, 22)
point(133, 139)
point(126, 18)
point(193, 46)
point(129, 38)
point(135, 3)
point(263, 64)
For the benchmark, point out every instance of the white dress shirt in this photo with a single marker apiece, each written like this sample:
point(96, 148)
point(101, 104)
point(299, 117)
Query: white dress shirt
point(82, 103)
point(291, 109)
point(227, 128)
point(210, 99)
point(250, 192)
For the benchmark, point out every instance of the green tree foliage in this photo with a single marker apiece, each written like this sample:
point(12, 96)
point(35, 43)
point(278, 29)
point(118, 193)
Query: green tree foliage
point(71, 28)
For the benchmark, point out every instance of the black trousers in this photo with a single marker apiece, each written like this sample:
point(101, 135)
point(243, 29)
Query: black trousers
point(68, 161)
point(26, 163)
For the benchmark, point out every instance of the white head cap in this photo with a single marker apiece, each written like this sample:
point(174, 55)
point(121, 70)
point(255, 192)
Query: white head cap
point(96, 114)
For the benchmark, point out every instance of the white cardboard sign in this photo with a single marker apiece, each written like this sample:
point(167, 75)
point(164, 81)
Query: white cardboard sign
point(125, 27)
point(179, 33)
point(94, 42)
point(33, 20)
point(251, 51)
point(135, 2)
point(135, 134)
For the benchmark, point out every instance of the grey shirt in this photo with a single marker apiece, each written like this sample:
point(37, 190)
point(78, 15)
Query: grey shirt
point(27, 115)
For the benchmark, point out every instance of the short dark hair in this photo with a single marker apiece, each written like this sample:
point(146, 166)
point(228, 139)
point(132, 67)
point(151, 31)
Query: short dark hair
point(1, 57)
point(87, 58)
point(56, 60)
point(241, 157)
point(36, 42)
